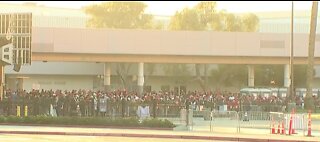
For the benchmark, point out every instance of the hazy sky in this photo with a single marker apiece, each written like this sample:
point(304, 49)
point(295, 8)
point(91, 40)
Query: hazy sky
point(170, 7)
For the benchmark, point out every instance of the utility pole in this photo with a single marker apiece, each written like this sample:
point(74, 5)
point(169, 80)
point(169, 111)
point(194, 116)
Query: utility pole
point(309, 103)
point(291, 60)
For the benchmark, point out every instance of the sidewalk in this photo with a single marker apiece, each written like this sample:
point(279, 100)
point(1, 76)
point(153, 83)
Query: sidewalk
point(46, 130)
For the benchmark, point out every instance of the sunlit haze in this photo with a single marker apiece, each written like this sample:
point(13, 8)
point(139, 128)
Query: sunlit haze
point(170, 7)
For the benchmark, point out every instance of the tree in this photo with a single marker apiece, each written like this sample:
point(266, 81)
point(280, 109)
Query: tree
point(187, 19)
point(118, 15)
point(300, 76)
point(158, 25)
point(176, 69)
point(230, 75)
point(179, 72)
point(313, 28)
point(149, 69)
point(265, 74)
point(205, 16)
point(122, 70)
point(250, 22)
point(207, 12)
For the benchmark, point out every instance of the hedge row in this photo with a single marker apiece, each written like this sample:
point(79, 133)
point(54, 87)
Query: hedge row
point(89, 121)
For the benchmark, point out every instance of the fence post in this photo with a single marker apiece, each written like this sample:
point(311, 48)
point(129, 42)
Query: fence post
point(238, 117)
point(113, 112)
point(190, 118)
point(211, 118)
point(25, 111)
point(128, 110)
point(304, 122)
point(18, 111)
point(166, 110)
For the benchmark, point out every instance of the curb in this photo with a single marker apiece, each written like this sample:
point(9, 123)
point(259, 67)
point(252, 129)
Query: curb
point(150, 136)
point(86, 126)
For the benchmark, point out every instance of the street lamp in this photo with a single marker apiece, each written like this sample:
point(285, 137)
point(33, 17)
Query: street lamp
point(291, 58)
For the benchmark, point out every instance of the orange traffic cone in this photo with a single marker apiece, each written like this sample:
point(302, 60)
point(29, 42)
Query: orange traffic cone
point(290, 123)
point(309, 124)
point(279, 128)
point(293, 124)
point(293, 131)
point(283, 132)
point(273, 129)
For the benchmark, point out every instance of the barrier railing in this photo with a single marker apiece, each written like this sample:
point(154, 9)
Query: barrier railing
point(203, 119)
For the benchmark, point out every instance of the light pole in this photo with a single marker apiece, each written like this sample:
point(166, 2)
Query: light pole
point(291, 58)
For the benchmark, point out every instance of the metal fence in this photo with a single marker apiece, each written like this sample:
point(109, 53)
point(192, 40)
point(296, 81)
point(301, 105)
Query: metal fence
point(204, 119)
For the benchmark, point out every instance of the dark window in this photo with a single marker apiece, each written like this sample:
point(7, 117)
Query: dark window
point(272, 44)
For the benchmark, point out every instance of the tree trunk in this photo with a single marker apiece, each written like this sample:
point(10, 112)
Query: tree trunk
point(121, 76)
point(198, 77)
point(206, 79)
point(309, 103)
point(123, 71)
point(150, 68)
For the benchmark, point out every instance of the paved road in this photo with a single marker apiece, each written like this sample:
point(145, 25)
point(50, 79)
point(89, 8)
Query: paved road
point(224, 128)
point(59, 138)
point(252, 127)
point(135, 133)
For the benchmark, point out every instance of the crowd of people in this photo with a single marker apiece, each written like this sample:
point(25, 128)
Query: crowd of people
point(124, 103)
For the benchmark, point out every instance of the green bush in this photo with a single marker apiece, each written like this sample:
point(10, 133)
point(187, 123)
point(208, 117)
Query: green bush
point(98, 121)
point(14, 119)
point(2, 119)
point(157, 123)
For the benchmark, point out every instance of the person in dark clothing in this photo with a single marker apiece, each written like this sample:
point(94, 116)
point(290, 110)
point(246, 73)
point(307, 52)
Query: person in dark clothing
point(91, 106)
point(154, 107)
point(66, 105)
point(5, 105)
point(82, 104)
point(123, 105)
point(10, 105)
point(73, 104)
point(36, 105)
point(187, 110)
point(60, 105)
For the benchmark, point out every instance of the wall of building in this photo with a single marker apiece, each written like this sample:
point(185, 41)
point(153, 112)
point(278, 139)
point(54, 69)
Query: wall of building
point(64, 82)
point(89, 75)
point(74, 75)
point(153, 42)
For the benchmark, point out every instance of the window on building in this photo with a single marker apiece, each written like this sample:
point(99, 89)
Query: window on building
point(44, 82)
point(60, 83)
point(272, 44)
point(6, 57)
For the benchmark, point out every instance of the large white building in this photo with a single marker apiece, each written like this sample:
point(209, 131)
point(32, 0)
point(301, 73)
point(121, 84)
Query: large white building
point(85, 75)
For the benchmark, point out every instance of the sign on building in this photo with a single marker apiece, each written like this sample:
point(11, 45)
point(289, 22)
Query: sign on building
point(17, 29)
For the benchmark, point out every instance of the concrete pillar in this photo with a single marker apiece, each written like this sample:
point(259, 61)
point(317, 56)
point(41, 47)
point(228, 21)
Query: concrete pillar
point(140, 78)
point(1, 81)
point(250, 75)
point(286, 82)
point(107, 76)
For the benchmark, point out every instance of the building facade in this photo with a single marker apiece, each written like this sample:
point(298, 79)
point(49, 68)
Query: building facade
point(90, 75)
